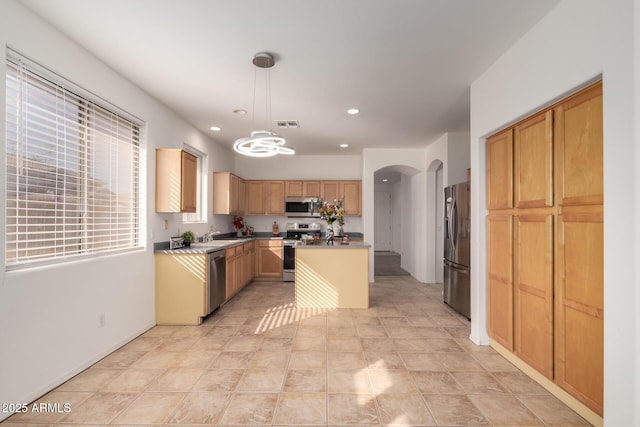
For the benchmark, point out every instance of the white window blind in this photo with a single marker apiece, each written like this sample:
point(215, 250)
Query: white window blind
point(73, 171)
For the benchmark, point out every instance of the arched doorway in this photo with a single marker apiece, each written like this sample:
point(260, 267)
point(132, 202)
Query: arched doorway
point(393, 219)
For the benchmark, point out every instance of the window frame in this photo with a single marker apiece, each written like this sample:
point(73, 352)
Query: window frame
point(100, 225)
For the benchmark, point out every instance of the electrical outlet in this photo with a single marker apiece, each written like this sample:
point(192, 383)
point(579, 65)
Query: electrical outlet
point(166, 224)
point(102, 320)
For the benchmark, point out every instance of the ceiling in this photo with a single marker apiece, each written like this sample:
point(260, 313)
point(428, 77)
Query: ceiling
point(407, 65)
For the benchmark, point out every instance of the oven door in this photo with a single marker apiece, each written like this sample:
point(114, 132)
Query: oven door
point(289, 262)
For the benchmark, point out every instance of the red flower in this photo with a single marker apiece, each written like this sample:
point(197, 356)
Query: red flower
point(238, 222)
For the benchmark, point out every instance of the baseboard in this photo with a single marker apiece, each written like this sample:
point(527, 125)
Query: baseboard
point(573, 403)
point(37, 394)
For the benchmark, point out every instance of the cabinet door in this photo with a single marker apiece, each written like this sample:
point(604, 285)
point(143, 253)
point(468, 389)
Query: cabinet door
point(275, 197)
point(270, 259)
point(579, 332)
point(350, 193)
point(242, 196)
point(500, 279)
point(578, 148)
point(234, 191)
point(533, 291)
point(231, 281)
point(255, 198)
point(500, 171)
point(189, 181)
point(294, 188)
point(311, 189)
point(533, 161)
point(330, 191)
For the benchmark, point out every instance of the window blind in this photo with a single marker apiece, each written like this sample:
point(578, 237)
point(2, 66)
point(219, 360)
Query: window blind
point(73, 171)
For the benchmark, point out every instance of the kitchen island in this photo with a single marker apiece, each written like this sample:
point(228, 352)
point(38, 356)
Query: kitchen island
point(332, 276)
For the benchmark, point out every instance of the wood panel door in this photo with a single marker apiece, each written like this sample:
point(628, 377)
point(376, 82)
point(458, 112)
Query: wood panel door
point(293, 188)
point(270, 259)
point(500, 171)
point(311, 189)
point(579, 325)
point(533, 291)
point(533, 161)
point(255, 198)
point(350, 193)
point(330, 191)
point(578, 148)
point(500, 279)
point(189, 181)
point(275, 197)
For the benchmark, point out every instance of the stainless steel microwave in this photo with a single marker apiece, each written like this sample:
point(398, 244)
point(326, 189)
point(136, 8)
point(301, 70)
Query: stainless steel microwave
point(301, 207)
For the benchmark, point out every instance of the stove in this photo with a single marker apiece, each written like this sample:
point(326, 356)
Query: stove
point(295, 231)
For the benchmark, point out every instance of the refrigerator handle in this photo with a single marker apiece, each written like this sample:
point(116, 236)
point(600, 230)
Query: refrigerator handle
point(453, 221)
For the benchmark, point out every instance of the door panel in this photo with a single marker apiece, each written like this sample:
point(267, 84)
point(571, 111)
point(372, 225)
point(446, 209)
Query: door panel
point(500, 279)
point(533, 291)
point(579, 328)
point(533, 161)
point(500, 171)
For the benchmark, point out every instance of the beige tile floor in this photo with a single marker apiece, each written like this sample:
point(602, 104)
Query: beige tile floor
point(258, 360)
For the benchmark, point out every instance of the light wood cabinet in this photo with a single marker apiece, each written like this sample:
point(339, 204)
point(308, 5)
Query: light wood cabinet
point(274, 197)
point(500, 170)
point(176, 180)
point(269, 262)
point(303, 189)
point(533, 161)
point(350, 193)
point(256, 198)
point(533, 291)
point(500, 278)
point(330, 191)
point(231, 272)
point(180, 283)
point(229, 194)
point(578, 149)
point(552, 315)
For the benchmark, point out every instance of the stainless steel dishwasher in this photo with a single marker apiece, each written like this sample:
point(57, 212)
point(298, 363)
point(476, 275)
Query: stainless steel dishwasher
point(216, 279)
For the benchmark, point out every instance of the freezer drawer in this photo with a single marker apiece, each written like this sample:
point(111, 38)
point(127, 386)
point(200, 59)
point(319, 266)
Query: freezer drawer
point(457, 289)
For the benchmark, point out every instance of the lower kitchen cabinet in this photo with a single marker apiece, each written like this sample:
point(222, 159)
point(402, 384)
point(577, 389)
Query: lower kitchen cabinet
point(269, 262)
point(180, 288)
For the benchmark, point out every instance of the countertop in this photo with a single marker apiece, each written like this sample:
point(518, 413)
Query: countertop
point(337, 245)
point(212, 245)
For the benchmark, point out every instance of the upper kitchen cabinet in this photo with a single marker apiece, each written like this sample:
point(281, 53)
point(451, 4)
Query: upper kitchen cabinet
point(265, 197)
point(274, 197)
point(176, 180)
point(302, 188)
point(500, 171)
point(533, 161)
point(229, 194)
point(350, 193)
point(578, 148)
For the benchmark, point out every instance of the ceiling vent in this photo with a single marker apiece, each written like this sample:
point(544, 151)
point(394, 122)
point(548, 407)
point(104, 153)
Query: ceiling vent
point(287, 124)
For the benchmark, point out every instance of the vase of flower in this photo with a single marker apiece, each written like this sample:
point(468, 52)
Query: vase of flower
point(238, 223)
point(333, 214)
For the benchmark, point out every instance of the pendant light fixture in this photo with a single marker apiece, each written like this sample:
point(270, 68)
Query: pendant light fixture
point(262, 143)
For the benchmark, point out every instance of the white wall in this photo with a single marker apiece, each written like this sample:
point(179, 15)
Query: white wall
point(570, 47)
point(49, 328)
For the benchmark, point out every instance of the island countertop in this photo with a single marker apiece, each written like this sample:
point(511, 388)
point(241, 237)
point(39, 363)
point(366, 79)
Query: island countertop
point(323, 245)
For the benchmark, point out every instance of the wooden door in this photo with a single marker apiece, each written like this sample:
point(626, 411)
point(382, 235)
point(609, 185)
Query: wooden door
point(350, 194)
point(500, 279)
point(275, 197)
point(255, 198)
point(533, 291)
point(330, 191)
point(500, 171)
point(533, 161)
point(311, 189)
point(579, 331)
point(242, 196)
point(230, 269)
point(234, 189)
point(270, 259)
point(189, 181)
point(293, 188)
point(578, 148)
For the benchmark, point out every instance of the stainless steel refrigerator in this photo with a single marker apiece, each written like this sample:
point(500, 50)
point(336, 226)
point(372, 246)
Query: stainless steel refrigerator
point(457, 256)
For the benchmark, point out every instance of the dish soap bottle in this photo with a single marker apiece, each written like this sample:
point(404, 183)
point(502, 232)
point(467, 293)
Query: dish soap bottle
point(275, 229)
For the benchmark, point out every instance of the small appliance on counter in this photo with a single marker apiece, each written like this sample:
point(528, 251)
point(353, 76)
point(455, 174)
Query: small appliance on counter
point(176, 242)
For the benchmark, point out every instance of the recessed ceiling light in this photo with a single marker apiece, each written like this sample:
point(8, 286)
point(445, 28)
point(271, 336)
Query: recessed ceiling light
point(215, 128)
point(344, 145)
point(385, 180)
point(353, 111)
point(240, 111)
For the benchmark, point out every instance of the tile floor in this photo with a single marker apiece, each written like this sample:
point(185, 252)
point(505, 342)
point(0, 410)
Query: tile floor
point(258, 360)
